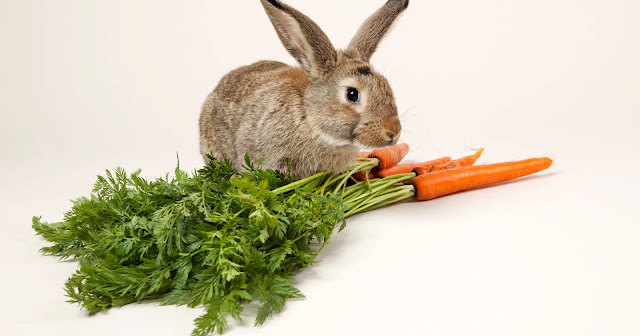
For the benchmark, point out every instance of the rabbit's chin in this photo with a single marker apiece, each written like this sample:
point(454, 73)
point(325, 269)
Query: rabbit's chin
point(366, 147)
point(363, 148)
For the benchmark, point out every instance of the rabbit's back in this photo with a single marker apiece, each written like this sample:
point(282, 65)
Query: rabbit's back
point(239, 84)
point(250, 112)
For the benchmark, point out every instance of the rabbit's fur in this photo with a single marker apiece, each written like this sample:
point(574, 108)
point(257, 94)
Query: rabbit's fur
point(272, 110)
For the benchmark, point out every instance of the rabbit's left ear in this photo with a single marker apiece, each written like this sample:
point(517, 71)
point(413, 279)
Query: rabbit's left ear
point(303, 38)
point(375, 28)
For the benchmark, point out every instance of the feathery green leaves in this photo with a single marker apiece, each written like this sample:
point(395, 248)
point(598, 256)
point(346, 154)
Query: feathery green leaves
point(217, 238)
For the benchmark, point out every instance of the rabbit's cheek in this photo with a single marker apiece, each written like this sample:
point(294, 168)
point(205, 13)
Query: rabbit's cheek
point(336, 123)
point(374, 135)
point(343, 121)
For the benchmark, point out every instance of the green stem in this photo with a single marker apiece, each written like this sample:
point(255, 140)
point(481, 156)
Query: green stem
point(297, 184)
point(396, 195)
point(326, 240)
point(382, 185)
point(360, 202)
point(199, 251)
point(395, 200)
point(360, 197)
point(300, 237)
point(366, 165)
point(362, 186)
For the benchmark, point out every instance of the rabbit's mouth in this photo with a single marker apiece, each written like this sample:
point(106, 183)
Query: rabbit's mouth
point(369, 145)
point(375, 135)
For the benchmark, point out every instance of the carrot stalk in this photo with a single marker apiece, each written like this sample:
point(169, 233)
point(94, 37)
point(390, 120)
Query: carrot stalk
point(367, 187)
point(389, 196)
point(441, 183)
point(409, 167)
point(381, 185)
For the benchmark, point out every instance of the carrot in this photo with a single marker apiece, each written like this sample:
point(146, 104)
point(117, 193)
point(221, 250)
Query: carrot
point(431, 168)
point(463, 162)
point(362, 176)
point(389, 156)
point(409, 167)
point(437, 184)
point(467, 160)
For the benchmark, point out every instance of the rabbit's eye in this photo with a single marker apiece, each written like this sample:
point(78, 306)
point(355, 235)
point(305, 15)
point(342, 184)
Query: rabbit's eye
point(353, 95)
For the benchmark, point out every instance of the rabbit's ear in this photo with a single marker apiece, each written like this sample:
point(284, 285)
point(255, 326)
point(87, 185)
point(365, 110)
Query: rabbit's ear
point(375, 28)
point(303, 38)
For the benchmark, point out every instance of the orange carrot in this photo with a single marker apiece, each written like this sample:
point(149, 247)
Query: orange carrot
point(464, 162)
point(362, 176)
point(432, 168)
point(467, 160)
point(389, 156)
point(437, 184)
point(409, 167)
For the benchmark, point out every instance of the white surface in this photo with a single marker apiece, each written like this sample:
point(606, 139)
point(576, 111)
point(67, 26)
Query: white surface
point(89, 85)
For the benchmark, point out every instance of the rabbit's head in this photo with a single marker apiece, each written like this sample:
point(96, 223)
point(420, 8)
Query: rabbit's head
point(346, 101)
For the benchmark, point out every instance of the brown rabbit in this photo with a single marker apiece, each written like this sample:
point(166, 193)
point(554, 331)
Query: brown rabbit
point(317, 115)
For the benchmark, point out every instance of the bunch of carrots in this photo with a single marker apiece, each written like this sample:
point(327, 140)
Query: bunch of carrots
point(444, 176)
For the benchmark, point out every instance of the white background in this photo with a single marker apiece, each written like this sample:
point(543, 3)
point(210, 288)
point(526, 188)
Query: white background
point(89, 85)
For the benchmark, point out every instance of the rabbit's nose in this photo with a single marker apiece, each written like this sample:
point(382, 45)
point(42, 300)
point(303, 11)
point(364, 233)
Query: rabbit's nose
point(391, 131)
point(391, 136)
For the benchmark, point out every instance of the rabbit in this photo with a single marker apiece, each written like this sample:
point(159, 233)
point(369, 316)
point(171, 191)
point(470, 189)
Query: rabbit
point(312, 118)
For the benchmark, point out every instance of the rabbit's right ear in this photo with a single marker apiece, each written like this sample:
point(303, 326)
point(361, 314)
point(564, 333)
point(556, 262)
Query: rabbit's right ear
point(375, 28)
point(303, 38)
